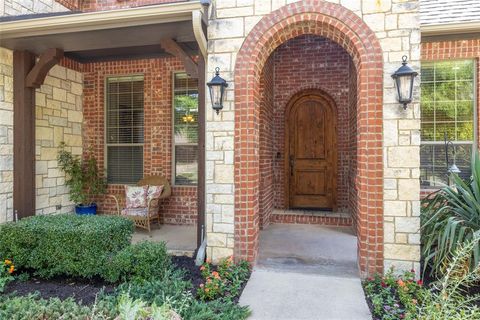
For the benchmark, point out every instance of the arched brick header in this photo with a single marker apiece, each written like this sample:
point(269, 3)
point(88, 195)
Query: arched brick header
point(348, 30)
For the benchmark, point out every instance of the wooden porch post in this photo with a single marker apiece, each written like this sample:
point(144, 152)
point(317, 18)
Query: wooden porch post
point(27, 75)
point(23, 136)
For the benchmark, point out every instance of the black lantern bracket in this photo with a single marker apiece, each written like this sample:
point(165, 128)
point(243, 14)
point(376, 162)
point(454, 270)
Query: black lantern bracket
point(217, 88)
point(404, 79)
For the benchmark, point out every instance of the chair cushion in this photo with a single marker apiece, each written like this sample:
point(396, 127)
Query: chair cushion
point(141, 212)
point(136, 197)
point(154, 192)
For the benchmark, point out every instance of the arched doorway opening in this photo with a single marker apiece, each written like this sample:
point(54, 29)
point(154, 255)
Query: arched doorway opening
point(341, 26)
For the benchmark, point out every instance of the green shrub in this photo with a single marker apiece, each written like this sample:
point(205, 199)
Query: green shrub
point(451, 217)
point(33, 308)
point(65, 244)
point(215, 310)
point(144, 260)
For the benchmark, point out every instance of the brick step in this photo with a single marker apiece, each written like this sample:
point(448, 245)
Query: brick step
point(311, 217)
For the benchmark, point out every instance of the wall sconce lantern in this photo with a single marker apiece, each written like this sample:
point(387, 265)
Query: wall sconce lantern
point(217, 90)
point(404, 78)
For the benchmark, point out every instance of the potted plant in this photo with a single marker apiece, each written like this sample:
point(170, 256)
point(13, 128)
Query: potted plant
point(83, 179)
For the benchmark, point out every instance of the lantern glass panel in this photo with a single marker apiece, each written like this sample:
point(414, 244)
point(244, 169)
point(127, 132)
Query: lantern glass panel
point(216, 94)
point(404, 88)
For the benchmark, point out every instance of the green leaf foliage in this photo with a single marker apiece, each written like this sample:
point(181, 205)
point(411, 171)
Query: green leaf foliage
point(142, 261)
point(68, 245)
point(450, 218)
point(82, 176)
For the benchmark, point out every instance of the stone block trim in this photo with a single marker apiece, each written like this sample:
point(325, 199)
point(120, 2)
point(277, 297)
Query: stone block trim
point(334, 22)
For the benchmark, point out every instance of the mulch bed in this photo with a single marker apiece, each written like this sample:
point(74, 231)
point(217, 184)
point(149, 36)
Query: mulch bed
point(80, 289)
point(86, 290)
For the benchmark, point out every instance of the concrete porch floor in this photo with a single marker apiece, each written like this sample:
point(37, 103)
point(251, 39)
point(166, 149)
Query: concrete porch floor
point(306, 272)
point(309, 249)
point(180, 240)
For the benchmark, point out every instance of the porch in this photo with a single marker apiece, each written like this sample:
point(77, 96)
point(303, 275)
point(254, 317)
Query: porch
point(100, 88)
point(180, 240)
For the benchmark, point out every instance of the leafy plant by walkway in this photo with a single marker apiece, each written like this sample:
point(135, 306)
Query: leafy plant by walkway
point(395, 298)
point(450, 218)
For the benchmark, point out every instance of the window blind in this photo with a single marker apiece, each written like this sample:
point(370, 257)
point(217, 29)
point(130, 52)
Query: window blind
point(125, 129)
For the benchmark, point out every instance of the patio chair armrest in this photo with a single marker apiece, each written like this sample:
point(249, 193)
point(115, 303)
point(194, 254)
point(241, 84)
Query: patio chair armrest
point(167, 192)
point(154, 202)
point(118, 201)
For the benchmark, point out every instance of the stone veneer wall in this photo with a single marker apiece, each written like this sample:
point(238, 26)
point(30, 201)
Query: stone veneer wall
point(396, 25)
point(6, 135)
point(59, 118)
point(8, 8)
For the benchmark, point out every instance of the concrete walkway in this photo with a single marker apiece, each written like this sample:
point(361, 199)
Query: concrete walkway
point(306, 272)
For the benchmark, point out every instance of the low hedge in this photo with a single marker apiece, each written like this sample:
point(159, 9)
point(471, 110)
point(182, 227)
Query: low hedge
point(65, 244)
point(141, 261)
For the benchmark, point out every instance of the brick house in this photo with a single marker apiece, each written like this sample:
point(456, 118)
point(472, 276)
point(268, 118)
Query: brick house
point(310, 118)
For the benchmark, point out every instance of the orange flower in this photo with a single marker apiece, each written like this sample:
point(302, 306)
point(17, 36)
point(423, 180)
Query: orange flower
point(401, 283)
point(8, 262)
point(202, 268)
point(208, 260)
point(215, 275)
point(209, 280)
point(206, 290)
point(11, 269)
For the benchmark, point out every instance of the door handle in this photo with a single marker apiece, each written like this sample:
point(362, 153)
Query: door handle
point(292, 164)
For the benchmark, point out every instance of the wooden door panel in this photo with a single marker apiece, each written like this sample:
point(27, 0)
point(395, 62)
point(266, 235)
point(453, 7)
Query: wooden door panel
point(311, 154)
point(311, 183)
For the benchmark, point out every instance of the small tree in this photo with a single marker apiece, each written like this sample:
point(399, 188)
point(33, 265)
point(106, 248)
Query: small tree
point(82, 176)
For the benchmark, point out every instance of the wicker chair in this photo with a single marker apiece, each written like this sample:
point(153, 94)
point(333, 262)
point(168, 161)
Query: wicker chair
point(151, 212)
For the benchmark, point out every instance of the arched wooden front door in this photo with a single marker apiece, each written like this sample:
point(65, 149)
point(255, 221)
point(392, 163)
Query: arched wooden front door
point(311, 159)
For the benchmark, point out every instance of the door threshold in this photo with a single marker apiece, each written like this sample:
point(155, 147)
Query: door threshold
point(310, 212)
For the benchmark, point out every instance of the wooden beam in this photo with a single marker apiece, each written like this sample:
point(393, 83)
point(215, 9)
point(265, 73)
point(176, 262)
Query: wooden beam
point(47, 60)
point(23, 136)
point(174, 49)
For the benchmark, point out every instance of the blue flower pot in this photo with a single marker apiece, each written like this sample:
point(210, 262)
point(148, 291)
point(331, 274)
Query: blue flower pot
point(86, 210)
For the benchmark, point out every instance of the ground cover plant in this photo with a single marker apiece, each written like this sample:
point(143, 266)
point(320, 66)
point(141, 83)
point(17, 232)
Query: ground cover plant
point(128, 281)
point(393, 297)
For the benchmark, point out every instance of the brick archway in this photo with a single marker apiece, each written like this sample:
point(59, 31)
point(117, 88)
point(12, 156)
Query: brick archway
point(348, 30)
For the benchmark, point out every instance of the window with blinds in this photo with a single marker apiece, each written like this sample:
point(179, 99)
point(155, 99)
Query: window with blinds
point(185, 129)
point(447, 110)
point(124, 129)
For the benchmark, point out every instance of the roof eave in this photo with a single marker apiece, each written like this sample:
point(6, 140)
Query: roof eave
point(164, 13)
point(449, 28)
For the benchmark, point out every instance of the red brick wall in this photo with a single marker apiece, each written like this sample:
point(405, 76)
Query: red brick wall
point(337, 23)
point(450, 50)
point(351, 172)
point(312, 62)
point(99, 5)
point(181, 207)
point(267, 140)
